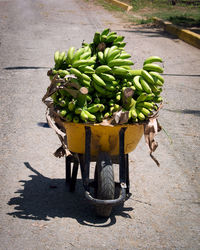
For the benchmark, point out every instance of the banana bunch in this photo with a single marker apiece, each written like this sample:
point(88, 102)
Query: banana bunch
point(104, 68)
point(107, 38)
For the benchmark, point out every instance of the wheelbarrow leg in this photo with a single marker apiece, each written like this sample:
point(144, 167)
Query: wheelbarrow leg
point(127, 173)
point(74, 175)
point(123, 161)
point(68, 169)
point(85, 159)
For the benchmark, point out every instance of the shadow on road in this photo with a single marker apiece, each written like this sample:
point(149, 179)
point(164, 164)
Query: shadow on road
point(185, 111)
point(43, 198)
point(24, 68)
point(149, 31)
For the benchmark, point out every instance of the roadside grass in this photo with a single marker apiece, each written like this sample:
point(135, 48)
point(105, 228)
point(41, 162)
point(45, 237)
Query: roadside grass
point(183, 14)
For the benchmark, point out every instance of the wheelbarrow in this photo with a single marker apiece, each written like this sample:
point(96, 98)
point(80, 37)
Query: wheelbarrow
point(105, 145)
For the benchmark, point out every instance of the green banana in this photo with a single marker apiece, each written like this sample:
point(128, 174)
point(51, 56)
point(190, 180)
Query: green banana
point(119, 39)
point(91, 117)
point(111, 38)
point(100, 56)
point(105, 32)
point(114, 54)
point(124, 55)
point(69, 117)
point(56, 57)
point(76, 72)
point(148, 105)
point(157, 75)
point(85, 55)
point(70, 55)
point(119, 62)
point(94, 108)
point(102, 69)
point(152, 59)
point(96, 39)
point(140, 115)
point(76, 119)
point(63, 73)
point(149, 97)
point(99, 89)
point(83, 116)
point(119, 71)
point(135, 72)
point(77, 55)
point(63, 112)
point(71, 105)
point(145, 111)
point(142, 97)
point(153, 67)
point(157, 99)
point(62, 56)
point(85, 77)
point(85, 83)
point(98, 80)
point(78, 110)
point(110, 87)
point(105, 53)
point(137, 84)
point(107, 77)
point(82, 62)
point(145, 74)
point(86, 69)
point(145, 85)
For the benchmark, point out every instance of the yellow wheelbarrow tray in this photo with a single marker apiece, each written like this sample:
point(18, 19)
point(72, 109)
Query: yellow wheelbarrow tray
point(104, 138)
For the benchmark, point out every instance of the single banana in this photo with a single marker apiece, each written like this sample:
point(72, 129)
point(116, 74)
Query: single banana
point(93, 108)
point(102, 69)
point(98, 80)
point(107, 77)
point(124, 55)
point(135, 72)
point(105, 32)
point(145, 85)
point(76, 119)
point(100, 56)
point(76, 72)
point(157, 75)
point(137, 84)
point(119, 71)
point(105, 53)
point(82, 62)
point(145, 74)
point(70, 55)
point(96, 39)
point(152, 59)
point(119, 62)
point(56, 57)
point(153, 67)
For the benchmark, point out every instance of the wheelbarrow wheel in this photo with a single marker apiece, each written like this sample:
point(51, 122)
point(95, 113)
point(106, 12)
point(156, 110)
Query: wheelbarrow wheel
point(105, 185)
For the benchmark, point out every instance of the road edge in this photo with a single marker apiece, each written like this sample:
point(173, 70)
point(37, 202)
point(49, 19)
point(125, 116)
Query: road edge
point(121, 4)
point(183, 34)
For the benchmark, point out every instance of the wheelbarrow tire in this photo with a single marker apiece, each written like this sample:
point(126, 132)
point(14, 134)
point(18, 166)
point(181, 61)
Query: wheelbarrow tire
point(105, 185)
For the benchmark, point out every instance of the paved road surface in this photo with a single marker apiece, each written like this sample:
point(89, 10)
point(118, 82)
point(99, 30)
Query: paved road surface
point(163, 211)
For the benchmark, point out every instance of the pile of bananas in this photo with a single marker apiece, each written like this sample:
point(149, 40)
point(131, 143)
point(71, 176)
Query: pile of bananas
point(104, 68)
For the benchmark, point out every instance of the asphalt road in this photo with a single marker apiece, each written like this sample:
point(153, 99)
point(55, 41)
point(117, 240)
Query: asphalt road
point(36, 209)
